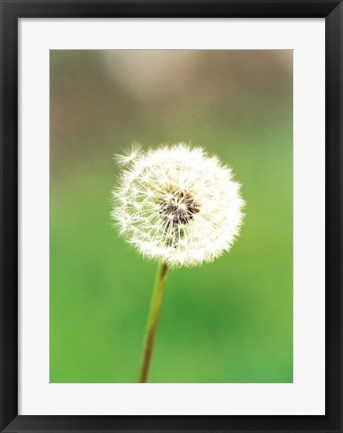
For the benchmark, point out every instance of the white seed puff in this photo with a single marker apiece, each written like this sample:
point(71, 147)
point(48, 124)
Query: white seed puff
point(177, 204)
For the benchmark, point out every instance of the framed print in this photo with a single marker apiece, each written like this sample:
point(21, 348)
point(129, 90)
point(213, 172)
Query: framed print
point(171, 216)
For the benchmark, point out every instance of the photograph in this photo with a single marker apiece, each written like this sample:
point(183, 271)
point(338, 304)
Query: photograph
point(171, 216)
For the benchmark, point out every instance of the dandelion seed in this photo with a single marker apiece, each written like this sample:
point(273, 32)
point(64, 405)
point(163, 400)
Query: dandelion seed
point(128, 156)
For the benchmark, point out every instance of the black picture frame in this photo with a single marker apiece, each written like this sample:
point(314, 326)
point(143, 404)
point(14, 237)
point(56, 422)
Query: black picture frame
point(11, 12)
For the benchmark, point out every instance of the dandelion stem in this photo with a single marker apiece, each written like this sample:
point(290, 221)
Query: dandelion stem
point(154, 315)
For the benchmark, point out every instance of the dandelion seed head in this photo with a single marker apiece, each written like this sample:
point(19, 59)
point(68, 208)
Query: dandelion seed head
point(177, 204)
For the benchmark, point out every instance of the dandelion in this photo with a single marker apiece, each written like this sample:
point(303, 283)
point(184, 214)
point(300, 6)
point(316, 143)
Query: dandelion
point(177, 205)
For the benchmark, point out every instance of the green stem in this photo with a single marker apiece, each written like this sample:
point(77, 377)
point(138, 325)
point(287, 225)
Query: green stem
point(154, 315)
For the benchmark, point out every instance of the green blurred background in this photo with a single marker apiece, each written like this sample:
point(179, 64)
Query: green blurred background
point(229, 321)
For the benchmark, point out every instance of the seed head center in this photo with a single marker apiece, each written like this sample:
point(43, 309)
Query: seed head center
point(178, 206)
